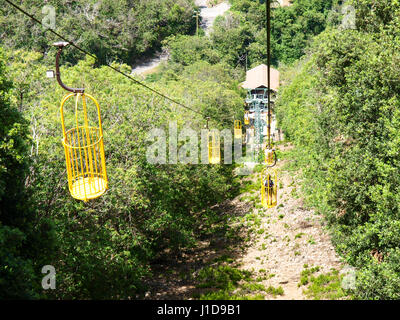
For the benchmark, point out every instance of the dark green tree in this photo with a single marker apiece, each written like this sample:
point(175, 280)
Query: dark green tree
point(25, 242)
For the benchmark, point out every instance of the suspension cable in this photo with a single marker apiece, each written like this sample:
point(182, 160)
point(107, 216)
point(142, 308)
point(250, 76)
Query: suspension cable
point(268, 29)
point(109, 66)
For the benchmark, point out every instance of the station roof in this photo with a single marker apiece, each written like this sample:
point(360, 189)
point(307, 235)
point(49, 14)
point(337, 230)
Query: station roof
point(257, 78)
point(285, 3)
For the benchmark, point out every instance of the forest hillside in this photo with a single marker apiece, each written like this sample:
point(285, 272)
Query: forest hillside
point(337, 106)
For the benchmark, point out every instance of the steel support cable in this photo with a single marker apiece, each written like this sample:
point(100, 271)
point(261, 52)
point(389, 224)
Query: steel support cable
point(268, 29)
point(109, 66)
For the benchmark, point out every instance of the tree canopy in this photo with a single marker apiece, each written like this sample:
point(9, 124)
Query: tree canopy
point(340, 106)
point(112, 30)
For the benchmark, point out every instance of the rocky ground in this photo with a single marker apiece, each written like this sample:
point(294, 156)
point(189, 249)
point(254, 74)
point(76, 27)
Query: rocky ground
point(274, 244)
point(294, 236)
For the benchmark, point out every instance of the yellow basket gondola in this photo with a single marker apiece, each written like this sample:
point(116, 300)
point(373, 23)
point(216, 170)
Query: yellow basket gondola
point(269, 190)
point(84, 149)
point(269, 157)
point(246, 118)
point(238, 129)
point(214, 152)
point(252, 131)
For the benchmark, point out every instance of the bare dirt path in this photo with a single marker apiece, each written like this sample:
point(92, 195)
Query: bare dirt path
point(208, 15)
point(149, 64)
point(293, 236)
point(274, 244)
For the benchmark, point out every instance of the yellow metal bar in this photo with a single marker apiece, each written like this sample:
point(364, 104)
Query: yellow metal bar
point(269, 188)
point(214, 153)
point(76, 175)
point(94, 152)
point(101, 142)
point(269, 157)
point(81, 180)
point(84, 152)
point(238, 124)
point(246, 118)
point(237, 129)
point(88, 146)
point(67, 161)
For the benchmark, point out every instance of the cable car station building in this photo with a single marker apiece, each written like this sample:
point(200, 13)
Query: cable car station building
point(256, 103)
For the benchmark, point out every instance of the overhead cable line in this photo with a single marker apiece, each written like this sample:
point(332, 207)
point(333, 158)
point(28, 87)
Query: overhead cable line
point(109, 66)
point(268, 27)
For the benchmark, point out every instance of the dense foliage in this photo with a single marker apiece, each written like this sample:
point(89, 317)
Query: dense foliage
point(25, 239)
point(241, 36)
point(103, 249)
point(123, 30)
point(339, 105)
point(341, 108)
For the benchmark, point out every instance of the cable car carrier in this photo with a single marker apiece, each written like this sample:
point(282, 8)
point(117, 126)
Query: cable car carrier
point(82, 141)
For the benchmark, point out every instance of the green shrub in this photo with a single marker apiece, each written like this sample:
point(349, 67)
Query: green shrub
point(26, 242)
point(222, 277)
point(343, 116)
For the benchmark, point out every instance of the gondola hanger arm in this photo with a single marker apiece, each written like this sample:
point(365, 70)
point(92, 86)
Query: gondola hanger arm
point(61, 45)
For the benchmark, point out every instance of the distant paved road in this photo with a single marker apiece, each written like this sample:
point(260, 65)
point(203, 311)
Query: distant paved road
point(208, 16)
